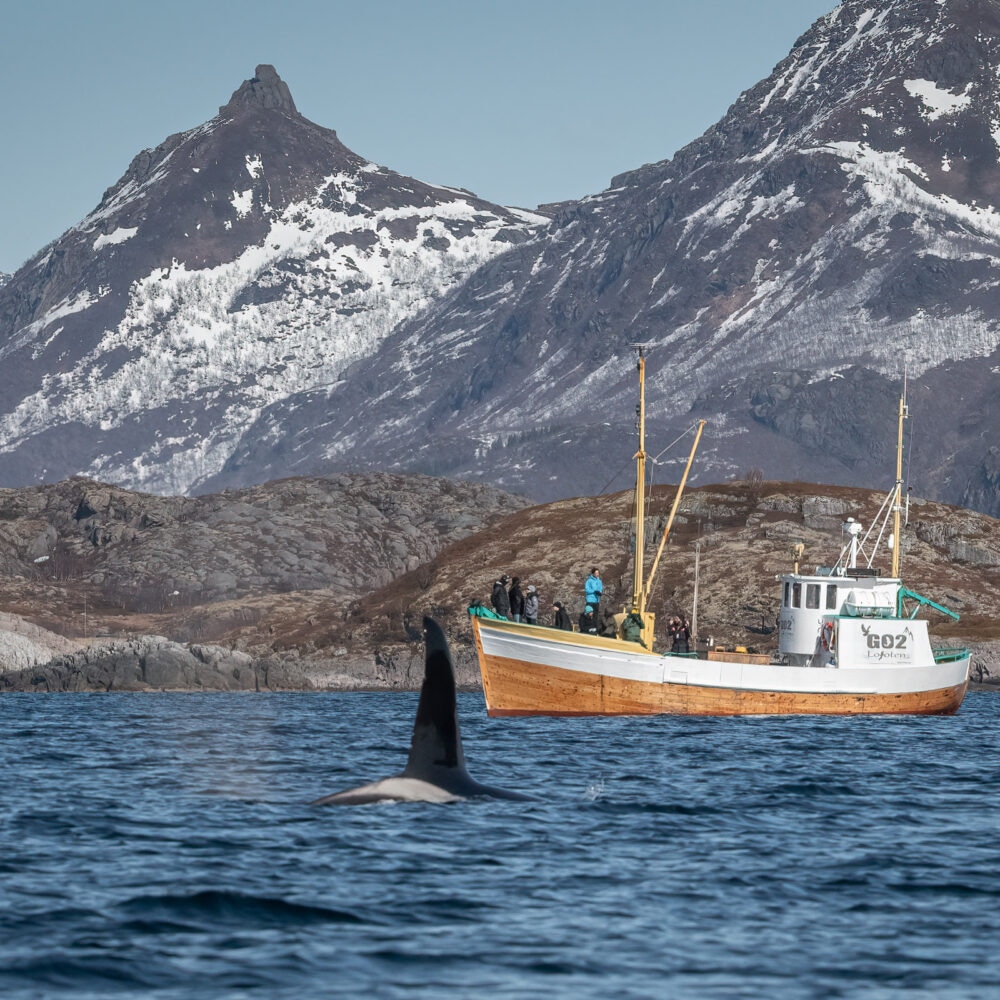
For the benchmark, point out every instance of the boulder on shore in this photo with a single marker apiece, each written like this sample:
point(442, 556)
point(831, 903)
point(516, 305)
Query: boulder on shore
point(24, 645)
point(18, 652)
point(152, 663)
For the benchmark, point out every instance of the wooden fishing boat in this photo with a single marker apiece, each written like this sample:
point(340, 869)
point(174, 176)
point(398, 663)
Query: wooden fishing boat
point(849, 643)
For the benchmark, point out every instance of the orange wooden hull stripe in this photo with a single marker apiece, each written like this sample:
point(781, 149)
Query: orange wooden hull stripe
point(515, 687)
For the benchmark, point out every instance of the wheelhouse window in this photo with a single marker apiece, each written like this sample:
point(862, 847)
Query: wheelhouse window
point(831, 597)
point(787, 596)
point(812, 595)
point(796, 595)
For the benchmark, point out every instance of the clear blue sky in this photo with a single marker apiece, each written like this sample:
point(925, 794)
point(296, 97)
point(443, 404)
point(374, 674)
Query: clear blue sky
point(521, 101)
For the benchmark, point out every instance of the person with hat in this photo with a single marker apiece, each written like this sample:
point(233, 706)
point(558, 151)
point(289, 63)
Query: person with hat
point(593, 590)
point(499, 597)
point(562, 619)
point(531, 605)
point(588, 623)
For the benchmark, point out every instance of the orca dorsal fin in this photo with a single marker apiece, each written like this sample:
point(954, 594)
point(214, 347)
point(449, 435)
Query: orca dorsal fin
point(436, 747)
point(435, 770)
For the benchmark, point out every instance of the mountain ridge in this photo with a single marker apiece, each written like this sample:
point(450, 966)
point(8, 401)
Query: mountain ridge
point(835, 231)
point(237, 261)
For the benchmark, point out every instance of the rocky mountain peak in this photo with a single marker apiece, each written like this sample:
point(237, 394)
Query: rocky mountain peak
point(838, 224)
point(253, 228)
point(265, 89)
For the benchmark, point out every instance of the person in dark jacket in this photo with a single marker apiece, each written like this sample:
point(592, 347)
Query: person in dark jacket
point(680, 634)
point(499, 598)
point(531, 605)
point(562, 619)
point(516, 599)
point(588, 623)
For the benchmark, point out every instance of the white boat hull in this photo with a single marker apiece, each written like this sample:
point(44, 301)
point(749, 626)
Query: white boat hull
point(533, 670)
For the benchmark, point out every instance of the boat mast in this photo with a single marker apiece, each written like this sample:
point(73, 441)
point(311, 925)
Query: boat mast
point(640, 483)
point(641, 585)
point(898, 499)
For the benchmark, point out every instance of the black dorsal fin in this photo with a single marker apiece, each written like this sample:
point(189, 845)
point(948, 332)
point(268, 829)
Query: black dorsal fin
point(436, 757)
point(436, 748)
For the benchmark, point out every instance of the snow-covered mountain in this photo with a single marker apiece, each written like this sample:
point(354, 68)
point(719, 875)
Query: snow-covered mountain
point(249, 258)
point(839, 226)
point(253, 300)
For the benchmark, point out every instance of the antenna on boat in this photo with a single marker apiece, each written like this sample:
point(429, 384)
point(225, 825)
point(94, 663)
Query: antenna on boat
point(909, 453)
point(897, 502)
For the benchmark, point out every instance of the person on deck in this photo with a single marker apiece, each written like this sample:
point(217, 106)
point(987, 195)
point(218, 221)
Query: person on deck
point(588, 623)
point(516, 599)
point(499, 598)
point(562, 619)
point(531, 605)
point(632, 626)
point(680, 634)
point(594, 589)
point(685, 635)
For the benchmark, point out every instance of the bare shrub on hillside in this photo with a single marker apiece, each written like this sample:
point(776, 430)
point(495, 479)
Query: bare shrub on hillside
point(753, 486)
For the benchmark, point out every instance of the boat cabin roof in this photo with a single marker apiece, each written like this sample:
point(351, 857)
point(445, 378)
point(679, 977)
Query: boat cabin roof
point(860, 575)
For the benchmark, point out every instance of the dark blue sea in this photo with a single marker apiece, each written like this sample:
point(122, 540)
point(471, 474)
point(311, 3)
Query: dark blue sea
point(163, 846)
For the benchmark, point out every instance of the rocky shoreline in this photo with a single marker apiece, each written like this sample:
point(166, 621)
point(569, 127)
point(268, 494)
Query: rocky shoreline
point(155, 663)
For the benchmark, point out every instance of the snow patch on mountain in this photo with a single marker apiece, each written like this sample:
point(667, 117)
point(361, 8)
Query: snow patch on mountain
point(120, 235)
point(66, 307)
point(937, 101)
point(888, 182)
point(242, 201)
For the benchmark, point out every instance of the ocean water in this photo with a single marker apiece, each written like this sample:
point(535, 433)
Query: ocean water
point(163, 846)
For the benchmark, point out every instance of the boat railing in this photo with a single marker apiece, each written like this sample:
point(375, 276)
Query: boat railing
point(948, 654)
